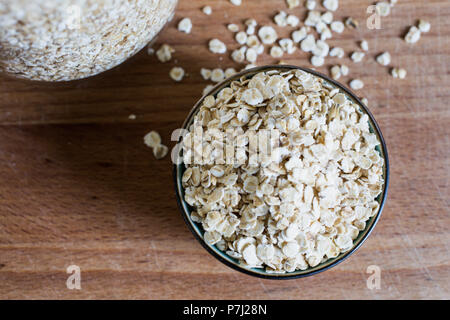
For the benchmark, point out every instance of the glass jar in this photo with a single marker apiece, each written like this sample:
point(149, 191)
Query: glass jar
point(62, 40)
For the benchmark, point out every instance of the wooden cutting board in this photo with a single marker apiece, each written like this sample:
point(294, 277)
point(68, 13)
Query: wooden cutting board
point(79, 187)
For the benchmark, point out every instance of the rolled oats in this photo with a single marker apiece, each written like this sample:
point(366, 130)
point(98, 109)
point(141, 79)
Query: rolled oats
point(308, 44)
point(292, 20)
point(344, 70)
point(413, 35)
point(287, 45)
point(398, 73)
point(364, 45)
point(217, 75)
point(207, 10)
point(299, 35)
point(335, 72)
point(317, 61)
point(233, 27)
point(45, 40)
point(337, 26)
point(357, 56)
point(217, 46)
point(230, 72)
point(384, 58)
point(153, 140)
point(241, 37)
point(309, 200)
point(292, 3)
point(331, 5)
point(160, 151)
point(424, 26)
point(185, 25)
point(337, 52)
point(206, 73)
point(251, 55)
point(327, 17)
point(276, 52)
point(310, 4)
point(356, 84)
point(383, 8)
point(164, 53)
point(177, 73)
point(238, 55)
point(281, 19)
point(267, 34)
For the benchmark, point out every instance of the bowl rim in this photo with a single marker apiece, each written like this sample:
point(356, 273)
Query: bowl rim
point(366, 232)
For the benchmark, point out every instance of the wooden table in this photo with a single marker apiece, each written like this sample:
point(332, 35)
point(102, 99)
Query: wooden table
point(79, 187)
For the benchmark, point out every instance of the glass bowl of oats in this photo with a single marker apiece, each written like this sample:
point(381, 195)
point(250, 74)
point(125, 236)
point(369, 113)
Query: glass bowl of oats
point(62, 40)
point(281, 172)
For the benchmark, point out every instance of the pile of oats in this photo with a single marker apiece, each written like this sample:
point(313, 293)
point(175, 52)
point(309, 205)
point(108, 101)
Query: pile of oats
point(60, 40)
point(304, 203)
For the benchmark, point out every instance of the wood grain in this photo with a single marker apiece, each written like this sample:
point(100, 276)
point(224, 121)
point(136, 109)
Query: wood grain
point(78, 186)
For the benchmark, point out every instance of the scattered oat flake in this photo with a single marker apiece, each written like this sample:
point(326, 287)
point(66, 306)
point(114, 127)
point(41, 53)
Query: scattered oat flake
point(292, 20)
point(207, 10)
point(292, 3)
point(317, 61)
point(337, 26)
point(251, 55)
point(384, 59)
point(310, 4)
point(217, 75)
point(413, 35)
point(335, 72)
point(164, 53)
point(206, 73)
point(160, 151)
point(267, 34)
point(152, 139)
point(132, 117)
point(233, 27)
point(357, 56)
point(398, 73)
point(241, 37)
point(217, 46)
point(383, 8)
point(287, 45)
point(236, 2)
point(356, 84)
point(337, 52)
point(229, 72)
point(424, 26)
point(185, 25)
point(308, 44)
point(327, 17)
point(331, 5)
point(276, 52)
point(299, 35)
point(364, 45)
point(177, 73)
